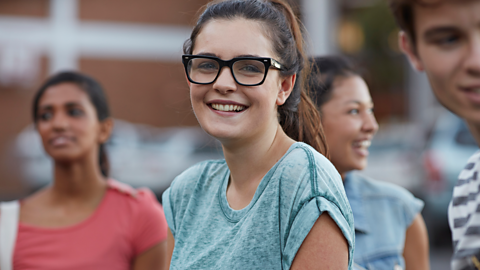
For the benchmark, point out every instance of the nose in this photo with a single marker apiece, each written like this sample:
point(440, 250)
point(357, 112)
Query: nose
point(370, 124)
point(225, 83)
point(472, 59)
point(60, 121)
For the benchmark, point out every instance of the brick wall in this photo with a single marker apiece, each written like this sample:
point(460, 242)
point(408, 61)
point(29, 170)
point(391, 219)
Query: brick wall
point(150, 92)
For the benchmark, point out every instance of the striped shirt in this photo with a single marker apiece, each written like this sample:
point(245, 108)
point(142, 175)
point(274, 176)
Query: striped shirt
point(464, 217)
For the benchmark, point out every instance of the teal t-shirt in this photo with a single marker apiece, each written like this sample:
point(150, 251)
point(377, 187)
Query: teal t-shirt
point(268, 232)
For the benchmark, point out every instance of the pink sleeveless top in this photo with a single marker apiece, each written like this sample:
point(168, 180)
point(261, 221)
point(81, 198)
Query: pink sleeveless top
point(126, 223)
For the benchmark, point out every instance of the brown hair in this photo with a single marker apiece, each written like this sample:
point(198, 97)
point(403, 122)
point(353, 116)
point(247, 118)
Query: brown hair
point(403, 12)
point(298, 116)
point(326, 70)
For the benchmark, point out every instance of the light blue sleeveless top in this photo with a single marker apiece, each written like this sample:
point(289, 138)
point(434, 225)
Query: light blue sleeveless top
point(268, 232)
point(383, 212)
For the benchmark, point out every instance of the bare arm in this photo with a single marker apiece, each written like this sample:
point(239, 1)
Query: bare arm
point(170, 246)
point(416, 246)
point(325, 247)
point(152, 259)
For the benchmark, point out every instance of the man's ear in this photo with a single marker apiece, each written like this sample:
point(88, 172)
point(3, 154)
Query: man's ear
point(106, 128)
point(286, 87)
point(408, 48)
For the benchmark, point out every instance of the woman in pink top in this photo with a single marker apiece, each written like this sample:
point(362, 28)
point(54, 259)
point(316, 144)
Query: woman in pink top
point(84, 220)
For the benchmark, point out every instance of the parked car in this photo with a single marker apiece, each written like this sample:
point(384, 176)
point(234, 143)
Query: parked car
point(449, 146)
point(139, 155)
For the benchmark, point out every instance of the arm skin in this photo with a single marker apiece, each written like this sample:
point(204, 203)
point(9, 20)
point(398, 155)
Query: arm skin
point(170, 246)
point(325, 247)
point(416, 246)
point(152, 259)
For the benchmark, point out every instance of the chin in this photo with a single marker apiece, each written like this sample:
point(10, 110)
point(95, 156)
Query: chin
point(222, 132)
point(361, 166)
point(358, 165)
point(63, 156)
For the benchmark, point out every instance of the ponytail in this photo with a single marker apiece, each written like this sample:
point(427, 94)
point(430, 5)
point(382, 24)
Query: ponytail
point(305, 122)
point(103, 160)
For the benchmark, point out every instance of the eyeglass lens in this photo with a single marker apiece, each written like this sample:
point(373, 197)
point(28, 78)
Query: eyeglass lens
point(204, 70)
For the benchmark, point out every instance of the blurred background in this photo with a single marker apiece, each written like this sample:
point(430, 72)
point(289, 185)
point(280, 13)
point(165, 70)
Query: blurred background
point(133, 48)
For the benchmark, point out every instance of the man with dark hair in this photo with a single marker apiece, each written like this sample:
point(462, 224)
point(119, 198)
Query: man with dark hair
point(442, 38)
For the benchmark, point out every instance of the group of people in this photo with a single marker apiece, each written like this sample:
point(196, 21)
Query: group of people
point(292, 128)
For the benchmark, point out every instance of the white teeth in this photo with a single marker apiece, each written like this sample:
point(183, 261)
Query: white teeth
point(60, 141)
point(364, 144)
point(227, 108)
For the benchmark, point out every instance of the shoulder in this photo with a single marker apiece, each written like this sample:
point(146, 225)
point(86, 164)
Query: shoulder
point(306, 153)
point(374, 188)
point(303, 157)
point(197, 174)
point(307, 175)
point(473, 164)
point(475, 158)
point(310, 186)
point(139, 201)
point(375, 194)
point(197, 179)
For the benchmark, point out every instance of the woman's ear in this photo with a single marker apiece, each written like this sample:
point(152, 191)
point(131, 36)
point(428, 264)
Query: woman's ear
point(286, 87)
point(106, 128)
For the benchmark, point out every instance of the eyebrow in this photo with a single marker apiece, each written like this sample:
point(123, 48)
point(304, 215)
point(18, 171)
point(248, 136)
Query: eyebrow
point(358, 102)
point(430, 33)
point(214, 55)
point(206, 54)
point(68, 105)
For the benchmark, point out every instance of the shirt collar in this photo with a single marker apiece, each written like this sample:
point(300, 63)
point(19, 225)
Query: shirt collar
point(353, 189)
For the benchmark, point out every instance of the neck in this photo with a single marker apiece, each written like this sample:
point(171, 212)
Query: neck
point(250, 161)
point(475, 130)
point(79, 180)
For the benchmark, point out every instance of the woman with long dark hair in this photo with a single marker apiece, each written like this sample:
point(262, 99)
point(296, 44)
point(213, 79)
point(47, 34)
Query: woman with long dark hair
point(389, 230)
point(84, 219)
point(274, 202)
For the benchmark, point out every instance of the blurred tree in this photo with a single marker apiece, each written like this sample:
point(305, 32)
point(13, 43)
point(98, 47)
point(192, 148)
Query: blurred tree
point(377, 53)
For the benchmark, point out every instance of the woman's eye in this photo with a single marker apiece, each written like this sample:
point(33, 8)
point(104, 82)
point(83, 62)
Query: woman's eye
point(207, 66)
point(251, 68)
point(75, 112)
point(371, 110)
point(353, 111)
point(45, 116)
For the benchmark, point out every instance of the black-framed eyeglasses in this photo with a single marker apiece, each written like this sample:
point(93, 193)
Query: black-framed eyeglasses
point(247, 71)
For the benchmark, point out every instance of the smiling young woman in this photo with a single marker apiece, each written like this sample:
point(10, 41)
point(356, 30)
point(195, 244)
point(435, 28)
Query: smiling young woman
point(275, 199)
point(389, 229)
point(84, 220)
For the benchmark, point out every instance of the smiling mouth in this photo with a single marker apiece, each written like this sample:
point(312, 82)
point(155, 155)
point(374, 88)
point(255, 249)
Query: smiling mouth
point(227, 107)
point(60, 141)
point(473, 90)
point(362, 144)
